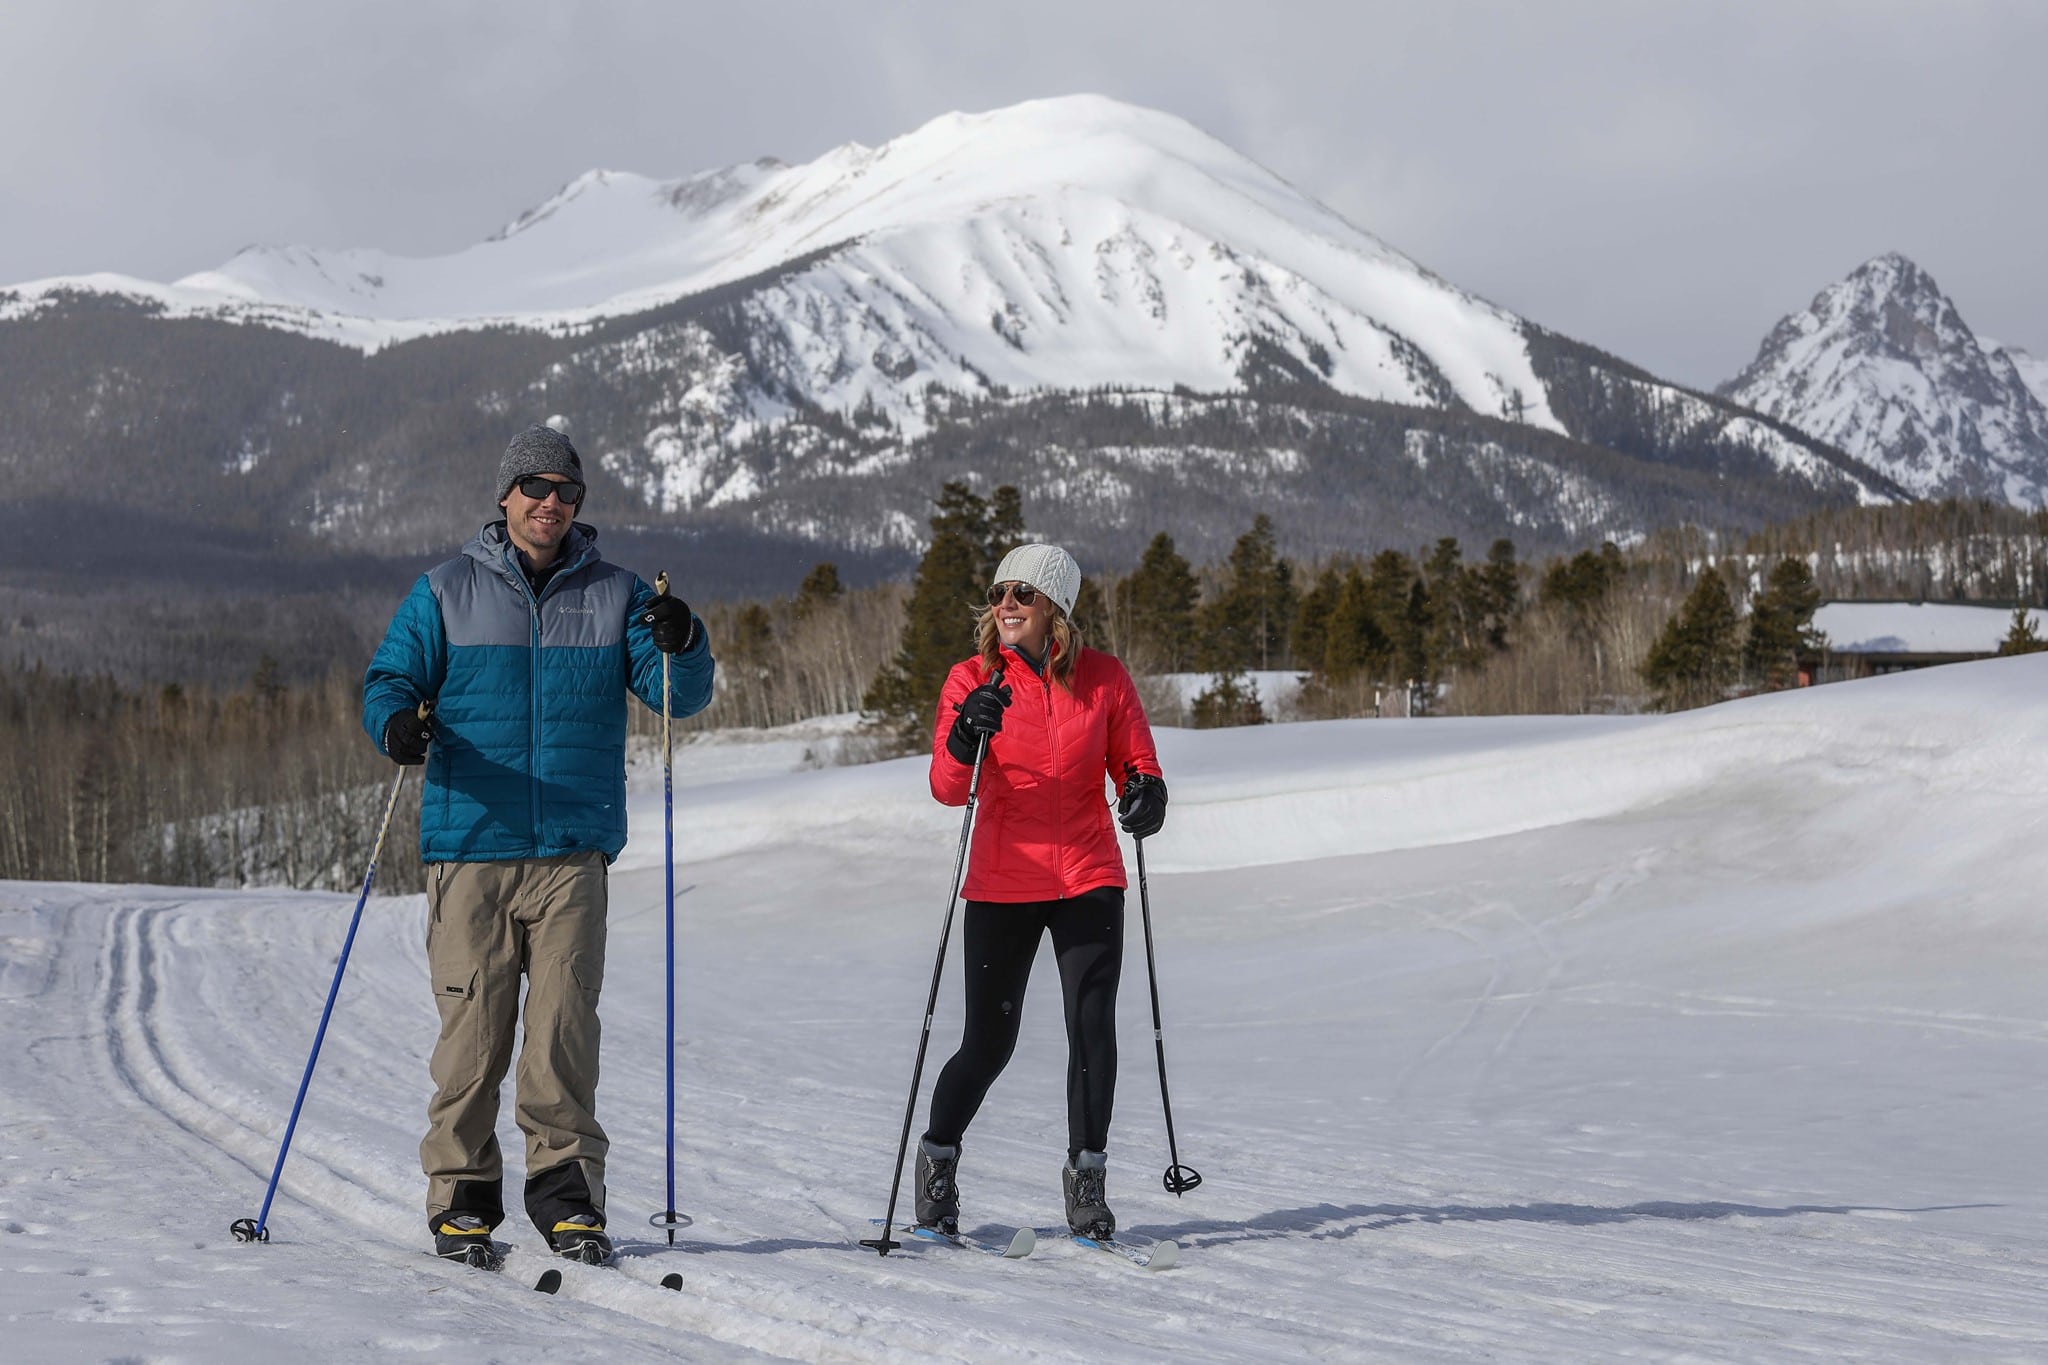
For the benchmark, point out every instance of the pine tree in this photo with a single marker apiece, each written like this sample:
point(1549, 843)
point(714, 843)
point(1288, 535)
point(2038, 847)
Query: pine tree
point(2020, 636)
point(1355, 645)
point(1498, 591)
point(1309, 638)
point(1005, 529)
point(1696, 656)
point(1246, 626)
point(1091, 611)
point(1229, 700)
point(1780, 620)
point(821, 588)
point(1159, 600)
point(939, 628)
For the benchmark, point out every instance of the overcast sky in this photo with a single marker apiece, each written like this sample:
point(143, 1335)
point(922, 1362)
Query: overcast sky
point(1662, 179)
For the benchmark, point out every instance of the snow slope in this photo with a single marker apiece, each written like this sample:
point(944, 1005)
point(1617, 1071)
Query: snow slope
point(1066, 243)
point(1716, 1036)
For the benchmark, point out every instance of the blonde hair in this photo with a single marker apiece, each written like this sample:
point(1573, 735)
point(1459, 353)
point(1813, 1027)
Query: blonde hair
point(1064, 635)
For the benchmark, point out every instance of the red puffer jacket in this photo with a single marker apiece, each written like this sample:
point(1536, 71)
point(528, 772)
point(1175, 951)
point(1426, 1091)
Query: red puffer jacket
point(1042, 830)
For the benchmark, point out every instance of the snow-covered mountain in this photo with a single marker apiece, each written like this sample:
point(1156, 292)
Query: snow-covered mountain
point(2033, 369)
point(1099, 302)
point(1883, 365)
point(1060, 244)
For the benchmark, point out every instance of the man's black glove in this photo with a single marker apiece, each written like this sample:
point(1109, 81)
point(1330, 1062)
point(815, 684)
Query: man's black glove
point(669, 621)
point(1141, 810)
point(405, 738)
point(981, 714)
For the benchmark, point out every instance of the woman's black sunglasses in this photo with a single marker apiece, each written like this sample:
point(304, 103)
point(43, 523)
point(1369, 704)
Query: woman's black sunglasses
point(537, 487)
point(1024, 594)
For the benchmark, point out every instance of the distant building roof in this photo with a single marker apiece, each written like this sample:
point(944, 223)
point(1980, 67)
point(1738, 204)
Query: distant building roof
point(1918, 627)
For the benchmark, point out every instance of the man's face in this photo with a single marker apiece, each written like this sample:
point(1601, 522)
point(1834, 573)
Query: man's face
point(537, 525)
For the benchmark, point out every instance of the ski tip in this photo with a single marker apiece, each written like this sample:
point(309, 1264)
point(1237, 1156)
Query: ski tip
point(549, 1281)
point(1165, 1256)
point(672, 1281)
point(1022, 1245)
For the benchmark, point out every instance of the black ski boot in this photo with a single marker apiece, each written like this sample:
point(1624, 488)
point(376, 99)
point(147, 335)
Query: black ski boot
point(1088, 1212)
point(938, 1192)
point(466, 1238)
point(580, 1237)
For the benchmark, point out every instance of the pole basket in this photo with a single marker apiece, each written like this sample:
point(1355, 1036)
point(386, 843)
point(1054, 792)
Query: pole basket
point(1180, 1179)
point(246, 1230)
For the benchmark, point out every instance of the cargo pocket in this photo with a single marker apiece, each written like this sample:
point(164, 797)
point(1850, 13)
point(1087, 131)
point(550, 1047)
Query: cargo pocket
point(588, 973)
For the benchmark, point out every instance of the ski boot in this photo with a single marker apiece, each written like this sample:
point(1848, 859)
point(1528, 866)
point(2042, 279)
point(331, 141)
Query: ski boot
point(938, 1192)
point(1088, 1212)
point(580, 1237)
point(466, 1238)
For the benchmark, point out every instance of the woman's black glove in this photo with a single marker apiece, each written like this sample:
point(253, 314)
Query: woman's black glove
point(406, 736)
point(669, 621)
point(1141, 810)
point(981, 716)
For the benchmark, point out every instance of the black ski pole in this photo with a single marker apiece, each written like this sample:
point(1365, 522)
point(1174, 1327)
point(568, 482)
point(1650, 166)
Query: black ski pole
point(257, 1229)
point(1179, 1179)
point(885, 1244)
point(669, 1218)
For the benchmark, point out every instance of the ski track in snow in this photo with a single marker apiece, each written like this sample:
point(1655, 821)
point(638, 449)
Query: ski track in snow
point(1711, 1037)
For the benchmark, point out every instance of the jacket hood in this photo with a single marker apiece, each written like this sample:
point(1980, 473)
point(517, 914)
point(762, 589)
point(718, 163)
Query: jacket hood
point(489, 545)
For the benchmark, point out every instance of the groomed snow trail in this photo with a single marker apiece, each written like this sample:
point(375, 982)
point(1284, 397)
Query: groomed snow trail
point(1717, 1036)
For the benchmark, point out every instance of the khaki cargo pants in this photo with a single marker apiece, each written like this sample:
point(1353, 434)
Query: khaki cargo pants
point(487, 925)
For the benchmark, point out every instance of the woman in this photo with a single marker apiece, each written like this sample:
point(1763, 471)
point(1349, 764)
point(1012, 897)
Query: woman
point(1058, 720)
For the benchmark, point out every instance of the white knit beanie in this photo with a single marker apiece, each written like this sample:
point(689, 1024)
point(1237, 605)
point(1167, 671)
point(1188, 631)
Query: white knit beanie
point(1047, 568)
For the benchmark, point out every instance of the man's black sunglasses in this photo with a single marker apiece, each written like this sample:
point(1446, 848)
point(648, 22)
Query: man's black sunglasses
point(537, 487)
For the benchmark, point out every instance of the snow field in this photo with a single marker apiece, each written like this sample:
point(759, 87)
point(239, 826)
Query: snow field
point(1716, 1036)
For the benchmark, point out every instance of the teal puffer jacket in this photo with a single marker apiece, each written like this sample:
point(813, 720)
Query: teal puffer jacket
point(529, 752)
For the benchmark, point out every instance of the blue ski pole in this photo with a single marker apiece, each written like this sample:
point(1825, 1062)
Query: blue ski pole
point(668, 1217)
point(257, 1229)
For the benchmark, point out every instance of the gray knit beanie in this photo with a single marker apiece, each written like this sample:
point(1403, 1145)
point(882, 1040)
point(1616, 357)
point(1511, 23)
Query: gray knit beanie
point(537, 450)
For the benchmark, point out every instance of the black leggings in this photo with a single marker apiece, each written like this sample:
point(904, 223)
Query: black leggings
point(998, 942)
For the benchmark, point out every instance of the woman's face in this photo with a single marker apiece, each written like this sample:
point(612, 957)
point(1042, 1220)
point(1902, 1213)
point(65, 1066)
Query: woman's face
point(1022, 624)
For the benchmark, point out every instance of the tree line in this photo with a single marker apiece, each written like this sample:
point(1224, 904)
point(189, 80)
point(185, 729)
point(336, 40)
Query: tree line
point(270, 780)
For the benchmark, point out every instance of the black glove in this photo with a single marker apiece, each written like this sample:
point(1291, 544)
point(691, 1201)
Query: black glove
point(1141, 810)
point(981, 714)
point(669, 621)
point(405, 738)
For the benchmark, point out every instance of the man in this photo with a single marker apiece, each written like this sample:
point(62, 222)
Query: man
point(525, 645)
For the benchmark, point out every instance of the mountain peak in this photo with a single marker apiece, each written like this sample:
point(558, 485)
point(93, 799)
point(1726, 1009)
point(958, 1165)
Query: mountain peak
point(1882, 364)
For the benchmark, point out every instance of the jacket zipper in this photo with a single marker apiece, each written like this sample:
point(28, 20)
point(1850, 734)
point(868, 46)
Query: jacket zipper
point(1059, 824)
point(533, 676)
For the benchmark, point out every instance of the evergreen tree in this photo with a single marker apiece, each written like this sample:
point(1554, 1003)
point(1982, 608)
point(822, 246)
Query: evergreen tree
point(1005, 530)
point(1091, 611)
point(1391, 583)
point(1355, 645)
point(821, 587)
point(1229, 700)
point(939, 627)
point(1696, 656)
point(1497, 588)
point(1579, 586)
point(1159, 600)
point(1246, 626)
point(1780, 621)
point(1309, 638)
point(2020, 636)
